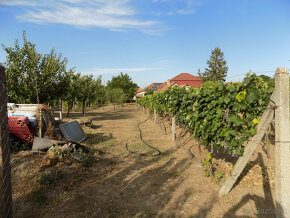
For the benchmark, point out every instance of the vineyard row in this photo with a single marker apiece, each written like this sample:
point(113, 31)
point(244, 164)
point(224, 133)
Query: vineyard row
point(223, 115)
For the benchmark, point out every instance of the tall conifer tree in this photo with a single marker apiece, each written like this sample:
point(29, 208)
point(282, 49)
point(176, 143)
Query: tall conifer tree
point(217, 67)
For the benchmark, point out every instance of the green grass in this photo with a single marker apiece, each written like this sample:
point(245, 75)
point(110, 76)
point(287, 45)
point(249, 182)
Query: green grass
point(38, 196)
point(51, 177)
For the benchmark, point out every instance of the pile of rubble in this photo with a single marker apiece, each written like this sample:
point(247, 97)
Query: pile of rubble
point(37, 125)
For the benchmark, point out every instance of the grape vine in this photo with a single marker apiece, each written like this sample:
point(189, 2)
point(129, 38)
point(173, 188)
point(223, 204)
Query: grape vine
point(223, 115)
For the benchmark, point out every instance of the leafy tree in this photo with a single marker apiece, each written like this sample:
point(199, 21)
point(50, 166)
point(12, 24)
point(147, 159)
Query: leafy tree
point(101, 96)
point(72, 90)
point(267, 79)
point(97, 94)
point(124, 82)
point(54, 77)
point(150, 91)
point(84, 90)
point(34, 77)
point(217, 67)
point(115, 96)
point(88, 90)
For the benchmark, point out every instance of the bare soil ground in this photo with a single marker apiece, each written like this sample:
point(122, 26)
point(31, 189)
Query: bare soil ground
point(120, 184)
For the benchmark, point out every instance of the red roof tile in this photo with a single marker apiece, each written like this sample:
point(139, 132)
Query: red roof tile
point(185, 76)
point(154, 85)
point(140, 90)
point(166, 86)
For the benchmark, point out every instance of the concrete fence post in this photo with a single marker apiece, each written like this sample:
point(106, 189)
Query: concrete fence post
point(282, 144)
point(173, 127)
point(5, 168)
point(148, 112)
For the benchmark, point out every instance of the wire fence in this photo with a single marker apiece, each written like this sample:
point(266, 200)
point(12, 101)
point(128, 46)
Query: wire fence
point(240, 77)
point(5, 169)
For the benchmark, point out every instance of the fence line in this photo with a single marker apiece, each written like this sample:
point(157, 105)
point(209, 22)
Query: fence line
point(5, 169)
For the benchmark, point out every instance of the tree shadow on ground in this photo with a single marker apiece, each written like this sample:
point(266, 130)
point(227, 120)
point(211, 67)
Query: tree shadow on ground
point(111, 116)
point(96, 138)
point(204, 211)
point(265, 207)
point(143, 188)
point(155, 187)
point(102, 115)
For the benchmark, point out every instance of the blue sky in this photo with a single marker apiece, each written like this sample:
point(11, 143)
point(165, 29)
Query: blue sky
point(153, 40)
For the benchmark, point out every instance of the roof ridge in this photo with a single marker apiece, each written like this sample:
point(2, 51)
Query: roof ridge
point(185, 76)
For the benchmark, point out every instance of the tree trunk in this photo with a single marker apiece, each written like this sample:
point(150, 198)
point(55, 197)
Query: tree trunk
point(83, 109)
point(36, 90)
point(68, 108)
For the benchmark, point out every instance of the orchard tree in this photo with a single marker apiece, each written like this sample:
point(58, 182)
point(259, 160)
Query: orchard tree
point(88, 90)
point(54, 77)
point(84, 90)
point(72, 89)
point(217, 67)
point(34, 77)
point(97, 93)
point(124, 82)
point(115, 96)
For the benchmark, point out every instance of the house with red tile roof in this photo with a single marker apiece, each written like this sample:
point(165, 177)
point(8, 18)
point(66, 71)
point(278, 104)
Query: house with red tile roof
point(140, 93)
point(187, 79)
point(154, 86)
point(182, 80)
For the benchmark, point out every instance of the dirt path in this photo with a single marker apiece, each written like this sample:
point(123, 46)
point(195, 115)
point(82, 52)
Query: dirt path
point(121, 184)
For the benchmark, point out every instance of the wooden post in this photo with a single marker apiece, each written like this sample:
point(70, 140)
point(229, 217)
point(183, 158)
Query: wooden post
point(5, 168)
point(253, 142)
point(40, 124)
point(282, 143)
point(148, 112)
point(173, 129)
point(155, 116)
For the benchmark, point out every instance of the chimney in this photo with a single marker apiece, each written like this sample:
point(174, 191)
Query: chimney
point(168, 82)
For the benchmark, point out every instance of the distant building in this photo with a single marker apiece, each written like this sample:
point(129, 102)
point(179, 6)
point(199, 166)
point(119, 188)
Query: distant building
point(154, 86)
point(140, 93)
point(182, 80)
point(187, 79)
